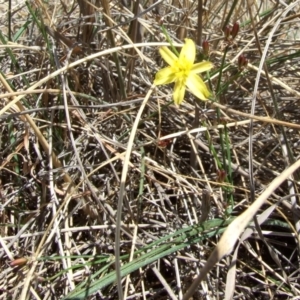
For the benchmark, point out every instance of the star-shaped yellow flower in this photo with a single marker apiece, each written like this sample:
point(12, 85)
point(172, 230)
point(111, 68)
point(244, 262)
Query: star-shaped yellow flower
point(183, 72)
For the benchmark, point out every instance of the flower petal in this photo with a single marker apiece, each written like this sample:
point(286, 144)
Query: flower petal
point(201, 67)
point(179, 91)
point(164, 76)
point(188, 51)
point(197, 87)
point(168, 56)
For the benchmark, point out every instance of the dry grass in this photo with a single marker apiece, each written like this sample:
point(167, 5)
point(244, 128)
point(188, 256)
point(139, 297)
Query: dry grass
point(98, 167)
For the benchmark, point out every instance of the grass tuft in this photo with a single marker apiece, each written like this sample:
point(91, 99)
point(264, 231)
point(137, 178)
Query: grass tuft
point(110, 191)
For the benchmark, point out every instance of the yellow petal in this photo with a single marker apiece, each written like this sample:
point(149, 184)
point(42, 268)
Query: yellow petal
point(188, 51)
point(164, 76)
point(201, 67)
point(197, 87)
point(179, 91)
point(168, 56)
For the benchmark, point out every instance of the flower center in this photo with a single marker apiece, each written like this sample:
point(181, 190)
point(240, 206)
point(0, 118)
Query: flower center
point(182, 68)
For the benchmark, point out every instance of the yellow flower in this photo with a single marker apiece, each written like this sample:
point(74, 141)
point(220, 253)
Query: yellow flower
point(183, 72)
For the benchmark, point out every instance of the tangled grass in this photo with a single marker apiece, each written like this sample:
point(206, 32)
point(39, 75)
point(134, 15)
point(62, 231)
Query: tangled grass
point(110, 191)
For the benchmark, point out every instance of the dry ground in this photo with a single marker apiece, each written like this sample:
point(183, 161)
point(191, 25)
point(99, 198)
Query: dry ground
point(98, 166)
